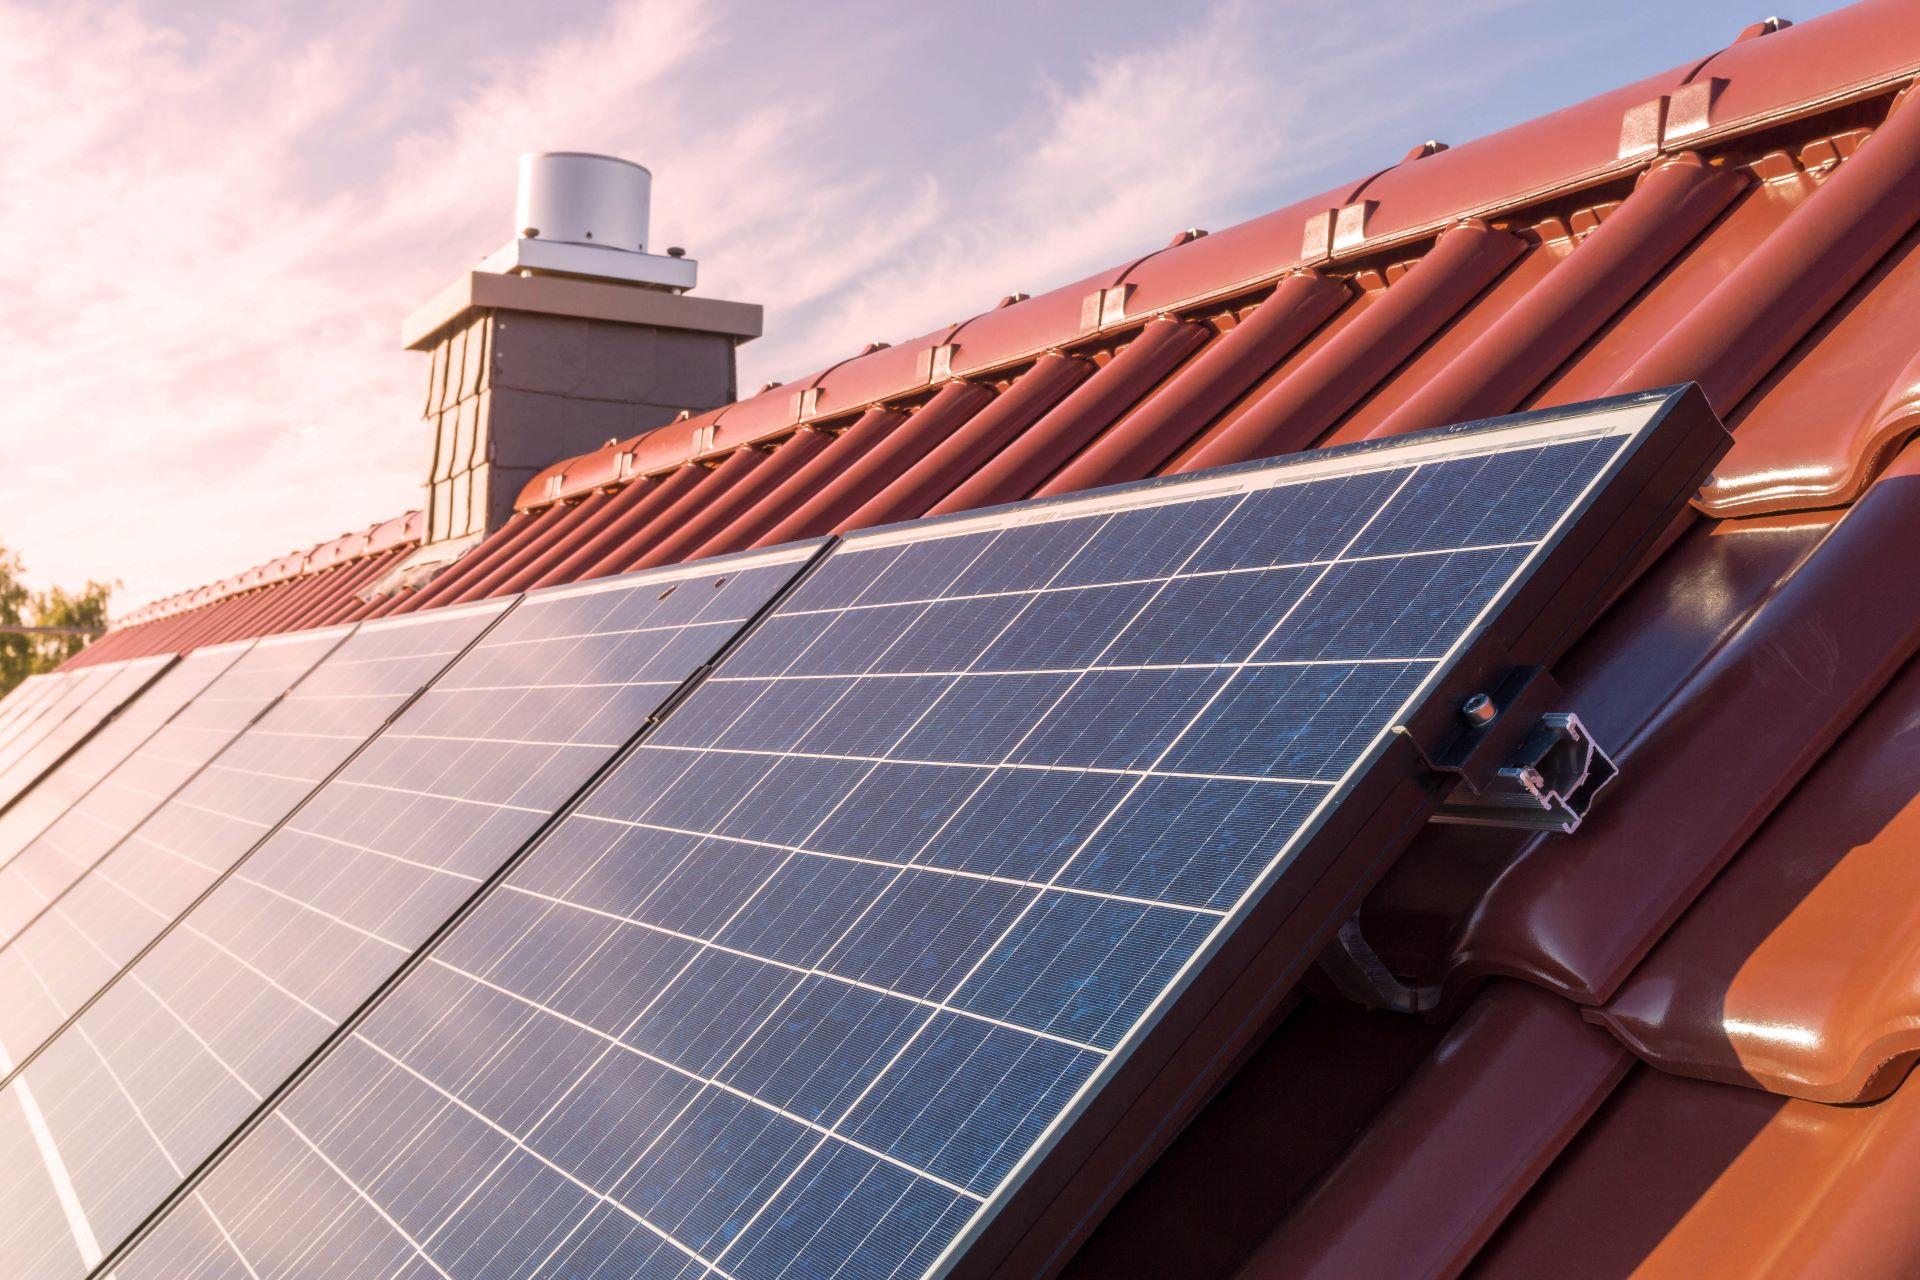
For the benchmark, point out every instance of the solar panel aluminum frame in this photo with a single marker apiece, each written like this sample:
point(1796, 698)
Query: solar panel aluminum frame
point(1236, 989)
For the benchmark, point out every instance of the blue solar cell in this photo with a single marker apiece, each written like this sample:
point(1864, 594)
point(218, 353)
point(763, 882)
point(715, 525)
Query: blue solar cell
point(898, 807)
point(1297, 524)
point(823, 1049)
point(925, 930)
point(1023, 824)
point(829, 958)
point(710, 1008)
point(848, 1213)
point(1061, 629)
point(1141, 544)
point(1115, 719)
point(714, 1169)
point(1489, 500)
point(1257, 728)
point(976, 720)
point(797, 912)
point(1206, 619)
point(1407, 607)
point(941, 1105)
point(1195, 842)
point(614, 1113)
point(1082, 967)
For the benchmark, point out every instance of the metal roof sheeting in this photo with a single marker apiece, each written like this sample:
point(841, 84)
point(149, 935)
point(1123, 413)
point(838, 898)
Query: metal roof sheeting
point(1639, 1031)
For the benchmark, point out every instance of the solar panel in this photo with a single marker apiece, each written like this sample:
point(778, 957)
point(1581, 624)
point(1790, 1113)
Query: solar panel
point(23, 697)
point(40, 693)
point(46, 865)
point(87, 921)
point(110, 747)
point(20, 694)
point(847, 967)
point(147, 1081)
point(25, 778)
point(72, 694)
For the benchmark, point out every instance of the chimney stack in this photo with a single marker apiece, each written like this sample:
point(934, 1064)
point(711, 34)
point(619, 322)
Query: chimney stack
point(568, 336)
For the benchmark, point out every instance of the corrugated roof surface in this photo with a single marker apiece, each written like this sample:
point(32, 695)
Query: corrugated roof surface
point(1640, 1034)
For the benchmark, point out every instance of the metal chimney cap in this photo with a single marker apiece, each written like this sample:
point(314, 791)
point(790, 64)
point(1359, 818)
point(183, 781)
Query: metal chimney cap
point(579, 198)
point(586, 215)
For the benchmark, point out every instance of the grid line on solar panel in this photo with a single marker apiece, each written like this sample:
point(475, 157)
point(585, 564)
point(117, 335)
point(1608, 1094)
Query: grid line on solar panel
point(260, 970)
point(126, 734)
point(555, 961)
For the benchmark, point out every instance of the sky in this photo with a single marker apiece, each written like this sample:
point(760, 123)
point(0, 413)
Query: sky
point(219, 214)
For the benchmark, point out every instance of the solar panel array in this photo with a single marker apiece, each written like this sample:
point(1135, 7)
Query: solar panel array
point(808, 983)
point(167, 759)
point(24, 696)
point(176, 1052)
point(29, 699)
point(120, 683)
point(348, 684)
point(52, 711)
point(34, 812)
point(33, 696)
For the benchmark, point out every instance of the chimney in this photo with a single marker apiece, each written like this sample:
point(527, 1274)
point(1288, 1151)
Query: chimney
point(570, 335)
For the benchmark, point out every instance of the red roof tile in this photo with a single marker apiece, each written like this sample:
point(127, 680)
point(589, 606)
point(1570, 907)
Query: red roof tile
point(1799, 970)
point(1674, 1178)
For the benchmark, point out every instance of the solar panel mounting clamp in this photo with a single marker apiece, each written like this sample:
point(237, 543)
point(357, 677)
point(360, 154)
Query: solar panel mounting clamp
point(1513, 758)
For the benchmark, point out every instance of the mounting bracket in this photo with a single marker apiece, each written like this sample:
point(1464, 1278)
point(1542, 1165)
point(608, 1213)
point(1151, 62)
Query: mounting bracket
point(1358, 973)
point(1547, 785)
point(1514, 763)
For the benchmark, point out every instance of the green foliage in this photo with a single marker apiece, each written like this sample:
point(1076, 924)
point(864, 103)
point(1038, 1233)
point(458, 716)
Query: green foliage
point(25, 655)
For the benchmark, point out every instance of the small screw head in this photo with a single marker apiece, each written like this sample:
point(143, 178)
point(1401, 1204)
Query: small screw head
point(1479, 710)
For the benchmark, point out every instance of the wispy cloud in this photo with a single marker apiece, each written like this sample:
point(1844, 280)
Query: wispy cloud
point(220, 228)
